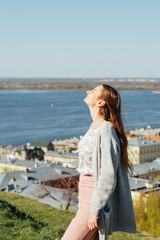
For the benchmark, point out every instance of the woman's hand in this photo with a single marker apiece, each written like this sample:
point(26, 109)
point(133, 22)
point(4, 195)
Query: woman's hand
point(92, 221)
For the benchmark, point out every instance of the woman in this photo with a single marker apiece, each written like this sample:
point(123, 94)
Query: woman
point(105, 203)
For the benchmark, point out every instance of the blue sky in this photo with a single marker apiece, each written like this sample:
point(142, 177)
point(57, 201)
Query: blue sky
point(87, 38)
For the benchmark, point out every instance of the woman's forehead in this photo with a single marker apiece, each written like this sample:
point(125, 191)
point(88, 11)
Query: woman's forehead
point(100, 87)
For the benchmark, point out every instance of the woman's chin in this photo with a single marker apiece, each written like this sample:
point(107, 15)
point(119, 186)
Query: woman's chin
point(85, 100)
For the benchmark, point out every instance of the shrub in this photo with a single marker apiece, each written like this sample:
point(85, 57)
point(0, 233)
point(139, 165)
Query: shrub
point(147, 212)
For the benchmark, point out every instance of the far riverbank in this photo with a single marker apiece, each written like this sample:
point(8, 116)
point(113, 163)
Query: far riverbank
point(78, 84)
point(77, 87)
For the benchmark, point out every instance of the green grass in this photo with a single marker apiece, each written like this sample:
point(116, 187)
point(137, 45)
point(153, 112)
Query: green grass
point(25, 219)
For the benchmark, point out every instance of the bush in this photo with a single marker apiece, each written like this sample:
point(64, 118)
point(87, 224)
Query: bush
point(147, 212)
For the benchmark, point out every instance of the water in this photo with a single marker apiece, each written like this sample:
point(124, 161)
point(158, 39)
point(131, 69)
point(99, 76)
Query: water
point(28, 115)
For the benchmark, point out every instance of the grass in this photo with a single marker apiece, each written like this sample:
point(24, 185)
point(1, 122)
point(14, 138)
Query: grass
point(24, 219)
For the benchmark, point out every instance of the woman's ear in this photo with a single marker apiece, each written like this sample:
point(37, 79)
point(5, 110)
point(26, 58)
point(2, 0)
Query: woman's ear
point(101, 103)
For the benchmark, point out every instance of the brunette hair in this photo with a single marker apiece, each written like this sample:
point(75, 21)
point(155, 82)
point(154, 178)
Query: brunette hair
point(112, 112)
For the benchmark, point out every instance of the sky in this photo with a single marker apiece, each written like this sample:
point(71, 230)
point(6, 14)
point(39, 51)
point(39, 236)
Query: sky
point(85, 38)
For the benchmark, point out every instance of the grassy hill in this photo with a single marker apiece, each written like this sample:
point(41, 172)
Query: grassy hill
point(25, 219)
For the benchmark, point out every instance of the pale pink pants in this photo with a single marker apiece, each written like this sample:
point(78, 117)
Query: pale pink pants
point(78, 227)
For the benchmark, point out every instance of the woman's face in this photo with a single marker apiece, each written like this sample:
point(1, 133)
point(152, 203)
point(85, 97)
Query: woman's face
point(93, 96)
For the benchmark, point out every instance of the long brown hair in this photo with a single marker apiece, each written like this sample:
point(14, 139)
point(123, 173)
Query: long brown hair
point(112, 112)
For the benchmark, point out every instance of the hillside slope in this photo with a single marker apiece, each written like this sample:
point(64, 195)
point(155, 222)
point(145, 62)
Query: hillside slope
point(22, 219)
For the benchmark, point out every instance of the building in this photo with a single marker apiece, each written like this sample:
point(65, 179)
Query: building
point(35, 151)
point(148, 132)
point(66, 145)
point(8, 149)
point(44, 145)
point(147, 170)
point(73, 165)
point(143, 150)
point(20, 154)
point(53, 156)
point(14, 165)
point(143, 187)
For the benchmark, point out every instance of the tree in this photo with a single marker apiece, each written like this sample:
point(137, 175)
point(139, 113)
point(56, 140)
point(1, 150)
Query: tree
point(147, 212)
point(69, 183)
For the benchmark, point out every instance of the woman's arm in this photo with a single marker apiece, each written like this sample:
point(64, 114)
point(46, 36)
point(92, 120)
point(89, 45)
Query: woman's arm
point(110, 157)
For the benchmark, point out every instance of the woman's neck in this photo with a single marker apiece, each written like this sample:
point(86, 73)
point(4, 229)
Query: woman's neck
point(96, 117)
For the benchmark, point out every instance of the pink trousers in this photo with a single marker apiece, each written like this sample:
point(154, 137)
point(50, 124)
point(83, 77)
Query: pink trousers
point(78, 227)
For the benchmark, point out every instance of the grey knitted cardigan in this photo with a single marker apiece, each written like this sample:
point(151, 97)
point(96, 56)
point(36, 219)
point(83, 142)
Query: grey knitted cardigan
point(111, 199)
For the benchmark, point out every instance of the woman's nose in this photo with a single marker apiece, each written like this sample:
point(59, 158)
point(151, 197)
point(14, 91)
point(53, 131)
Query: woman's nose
point(88, 91)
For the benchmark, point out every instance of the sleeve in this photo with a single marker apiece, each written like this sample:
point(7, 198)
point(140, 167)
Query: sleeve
point(106, 183)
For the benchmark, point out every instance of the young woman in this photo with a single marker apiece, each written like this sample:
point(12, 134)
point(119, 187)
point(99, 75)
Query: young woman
point(105, 203)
